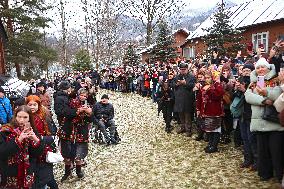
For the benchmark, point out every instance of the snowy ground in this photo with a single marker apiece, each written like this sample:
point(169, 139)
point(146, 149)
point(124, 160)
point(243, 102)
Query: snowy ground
point(147, 157)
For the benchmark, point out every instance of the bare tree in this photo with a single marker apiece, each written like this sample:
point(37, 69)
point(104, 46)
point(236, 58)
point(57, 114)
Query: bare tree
point(150, 12)
point(104, 20)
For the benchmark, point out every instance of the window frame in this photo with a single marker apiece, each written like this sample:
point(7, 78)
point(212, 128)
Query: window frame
point(255, 45)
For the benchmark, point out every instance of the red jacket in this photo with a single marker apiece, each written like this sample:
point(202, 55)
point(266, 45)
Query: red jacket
point(210, 103)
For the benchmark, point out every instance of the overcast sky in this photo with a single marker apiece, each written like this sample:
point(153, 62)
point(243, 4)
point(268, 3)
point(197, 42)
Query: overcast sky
point(76, 15)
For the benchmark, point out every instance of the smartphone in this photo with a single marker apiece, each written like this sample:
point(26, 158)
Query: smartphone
point(281, 37)
point(260, 81)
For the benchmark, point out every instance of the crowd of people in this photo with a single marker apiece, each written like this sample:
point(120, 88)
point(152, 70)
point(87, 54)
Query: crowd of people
point(238, 98)
point(222, 98)
point(28, 133)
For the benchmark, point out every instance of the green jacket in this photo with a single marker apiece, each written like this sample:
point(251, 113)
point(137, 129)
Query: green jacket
point(257, 107)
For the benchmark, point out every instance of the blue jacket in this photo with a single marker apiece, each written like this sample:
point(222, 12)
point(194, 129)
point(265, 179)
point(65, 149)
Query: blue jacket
point(3, 115)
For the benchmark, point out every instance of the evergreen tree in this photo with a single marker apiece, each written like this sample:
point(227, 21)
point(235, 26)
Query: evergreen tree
point(130, 57)
point(222, 36)
point(163, 50)
point(82, 61)
point(23, 20)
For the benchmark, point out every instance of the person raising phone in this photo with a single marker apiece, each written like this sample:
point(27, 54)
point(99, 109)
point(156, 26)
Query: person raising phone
point(275, 54)
point(269, 134)
point(19, 146)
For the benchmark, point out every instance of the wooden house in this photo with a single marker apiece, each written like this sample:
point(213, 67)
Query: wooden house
point(261, 23)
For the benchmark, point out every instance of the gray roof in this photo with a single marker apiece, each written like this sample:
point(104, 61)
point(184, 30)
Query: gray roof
point(247, 14)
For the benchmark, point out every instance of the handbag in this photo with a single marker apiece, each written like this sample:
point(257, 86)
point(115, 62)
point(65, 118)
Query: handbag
point(52, 157)
point(270, 114)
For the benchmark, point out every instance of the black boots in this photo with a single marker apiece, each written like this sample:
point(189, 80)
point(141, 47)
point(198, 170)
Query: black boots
point(200, 134)
point(79, 171)
point(214, 138)
point(67, 172)
point(168, 128)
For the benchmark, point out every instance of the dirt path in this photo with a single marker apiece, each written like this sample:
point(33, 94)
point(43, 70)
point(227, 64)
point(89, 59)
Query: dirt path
point(147, 157)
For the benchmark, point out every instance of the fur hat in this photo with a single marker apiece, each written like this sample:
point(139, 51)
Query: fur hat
point(262, 62)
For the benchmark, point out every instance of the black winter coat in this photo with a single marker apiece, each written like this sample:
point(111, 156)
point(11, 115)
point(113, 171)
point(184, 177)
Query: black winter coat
point(184, 96)
point(101, 110)
point(65, 114)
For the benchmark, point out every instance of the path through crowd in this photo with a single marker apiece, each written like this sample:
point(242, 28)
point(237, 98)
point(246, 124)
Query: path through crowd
point(148, 157)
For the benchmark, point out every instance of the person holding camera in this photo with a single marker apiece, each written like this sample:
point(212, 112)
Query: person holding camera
point(183, 92)
point(80, 127)
point(20, 145)
point(65, 115)
point(103, 117)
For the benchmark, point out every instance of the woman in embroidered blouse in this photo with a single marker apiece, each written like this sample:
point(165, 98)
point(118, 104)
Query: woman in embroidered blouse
point(76, 135)
point(19, 146)
point(209, 105)
point(43, 122)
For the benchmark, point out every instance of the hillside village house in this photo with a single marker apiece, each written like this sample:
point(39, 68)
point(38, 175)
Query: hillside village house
point(3, 40)
point(262, 21)
point(179, 37)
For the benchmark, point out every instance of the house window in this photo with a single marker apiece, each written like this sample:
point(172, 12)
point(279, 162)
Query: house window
point(259, 39)
point(189, 52)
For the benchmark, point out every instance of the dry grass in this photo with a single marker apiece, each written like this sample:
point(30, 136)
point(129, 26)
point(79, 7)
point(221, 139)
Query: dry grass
point(147, 157)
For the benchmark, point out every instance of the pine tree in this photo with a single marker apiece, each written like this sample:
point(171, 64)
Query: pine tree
point(163, 50)
point(130, 57)
point(222, 36)
point(24, 19)
point(82, 61)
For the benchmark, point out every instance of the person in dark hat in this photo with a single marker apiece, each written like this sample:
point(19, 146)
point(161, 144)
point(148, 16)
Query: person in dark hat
point(103, 117)
point(183, 85)
point(6, 111)
point(43, 95)
point(65, 115)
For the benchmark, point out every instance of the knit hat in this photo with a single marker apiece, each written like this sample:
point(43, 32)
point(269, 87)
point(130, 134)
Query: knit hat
point(262, 62)
point(248, 66)
point(64, 85)
point(105, 96)
point(41, 84)
point(2, 90)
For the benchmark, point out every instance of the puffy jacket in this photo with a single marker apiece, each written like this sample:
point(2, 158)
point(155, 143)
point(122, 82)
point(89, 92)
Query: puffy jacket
point(101, 110)
point(5, 117)
point(256, 101)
